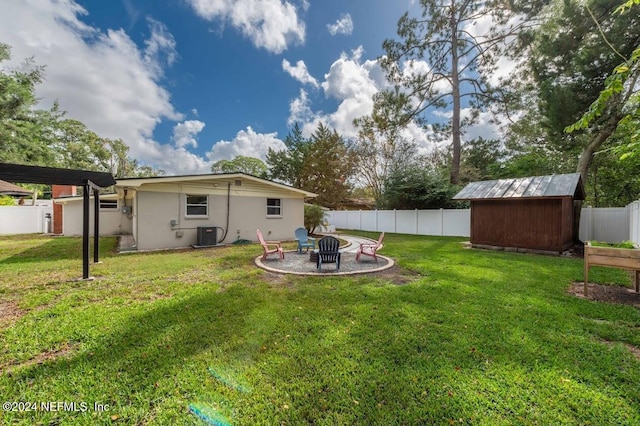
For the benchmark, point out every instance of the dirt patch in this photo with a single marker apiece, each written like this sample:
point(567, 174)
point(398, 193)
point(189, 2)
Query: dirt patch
point(41, 358)
point(280, 280)
point(273, 278)
point(607, 293)
point(633, 349)
point(9, 314)
point(398, 275)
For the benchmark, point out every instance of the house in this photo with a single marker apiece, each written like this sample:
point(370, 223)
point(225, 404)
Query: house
point(182, 211)
point(7, 188)
point(534, 213)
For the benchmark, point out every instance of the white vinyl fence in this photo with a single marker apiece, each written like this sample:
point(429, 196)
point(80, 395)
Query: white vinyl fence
point(447, 222)
point(24, 219)
point(634, 221)
point(602, 224)
point(609, 224)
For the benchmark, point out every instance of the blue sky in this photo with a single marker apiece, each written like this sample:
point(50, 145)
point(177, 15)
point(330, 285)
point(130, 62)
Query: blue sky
point(188, 82)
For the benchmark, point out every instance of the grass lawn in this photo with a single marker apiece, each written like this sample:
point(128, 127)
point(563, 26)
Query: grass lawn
point(190, 337)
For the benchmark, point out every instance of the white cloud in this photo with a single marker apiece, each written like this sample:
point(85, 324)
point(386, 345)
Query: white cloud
point(270, 24)
point(160, 48)
point(505, 67)
point(485, 126)
point(352, 83)
point(248, 143)
point(101, 78)
point(344, 25)
point(300, 109)
point(175, 161)
point(184, 134)
point(299, 72)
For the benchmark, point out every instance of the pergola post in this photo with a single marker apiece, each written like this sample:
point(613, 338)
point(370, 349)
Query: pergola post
point(96, 224)
point(55, 176)
point(85, 231)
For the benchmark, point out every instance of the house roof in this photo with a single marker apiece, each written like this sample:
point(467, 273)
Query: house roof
point(7, 188)
point(53, 176)
point(553, 186)
point(213, 179)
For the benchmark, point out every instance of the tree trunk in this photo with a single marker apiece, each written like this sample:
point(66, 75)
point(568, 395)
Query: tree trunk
point(455, 93)
point(586, 158)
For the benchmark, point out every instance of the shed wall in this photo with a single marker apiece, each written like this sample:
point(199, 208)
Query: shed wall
point(537, 224)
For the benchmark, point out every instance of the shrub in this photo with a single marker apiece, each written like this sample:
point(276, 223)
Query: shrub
point(314, 216)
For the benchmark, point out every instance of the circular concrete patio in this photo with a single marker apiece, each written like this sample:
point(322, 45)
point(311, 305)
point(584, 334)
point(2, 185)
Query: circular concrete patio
point(300, 264)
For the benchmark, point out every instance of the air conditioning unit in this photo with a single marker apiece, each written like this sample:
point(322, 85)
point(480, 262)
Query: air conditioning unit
point(207, 235)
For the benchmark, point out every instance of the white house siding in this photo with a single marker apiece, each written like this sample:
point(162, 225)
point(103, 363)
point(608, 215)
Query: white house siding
point(112, 222)
point(156, 210)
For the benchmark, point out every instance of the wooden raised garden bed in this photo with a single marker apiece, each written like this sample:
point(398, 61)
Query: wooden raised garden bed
point(613, 257)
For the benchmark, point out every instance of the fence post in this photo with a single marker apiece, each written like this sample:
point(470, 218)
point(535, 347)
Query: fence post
point(442, 222)
point(376, 220)
point(360, 219)
point(416, 221)
point(395, 221)
point(591, 220)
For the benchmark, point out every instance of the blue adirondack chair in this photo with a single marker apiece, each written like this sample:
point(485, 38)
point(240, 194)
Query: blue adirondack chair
point(304, 240)
point(328, 252)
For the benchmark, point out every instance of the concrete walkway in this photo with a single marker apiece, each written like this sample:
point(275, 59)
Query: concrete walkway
point(354, 242)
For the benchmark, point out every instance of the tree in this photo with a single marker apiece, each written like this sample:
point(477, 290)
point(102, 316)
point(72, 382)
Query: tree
point(380, 148)
point(6, 201)
point(620, 86)
point(241, 164)
point(482, 159)
point(286, 165)
point(323, 164)
point(314, 216)
point(572, 58)
point(46, 137)
point(20, 126)
point(327, 167)
point(418, 187)
point(456, 62)
point(77, 147)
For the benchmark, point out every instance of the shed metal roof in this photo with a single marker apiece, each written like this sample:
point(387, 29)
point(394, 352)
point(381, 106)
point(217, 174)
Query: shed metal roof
point(567, 185)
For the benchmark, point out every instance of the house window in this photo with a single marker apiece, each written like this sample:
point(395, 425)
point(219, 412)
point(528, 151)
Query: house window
point(109, 205)
point(274, 207)
point(197, 205)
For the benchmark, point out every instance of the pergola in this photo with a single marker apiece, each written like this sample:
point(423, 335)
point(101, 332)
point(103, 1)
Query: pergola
point(89, 180)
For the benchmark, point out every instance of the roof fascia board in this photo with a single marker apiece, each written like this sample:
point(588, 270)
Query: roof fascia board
point(137, 183)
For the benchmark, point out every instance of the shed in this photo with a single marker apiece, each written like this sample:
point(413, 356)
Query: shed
point(534, 213)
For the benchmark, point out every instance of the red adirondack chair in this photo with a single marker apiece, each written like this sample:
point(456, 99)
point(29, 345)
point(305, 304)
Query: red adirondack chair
point(370, 249)
point(267, 244)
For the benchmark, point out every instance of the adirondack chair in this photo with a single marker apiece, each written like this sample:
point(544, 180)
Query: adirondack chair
point(328, 252)
point(304, 240)
point(369, 249)
point(267, 244)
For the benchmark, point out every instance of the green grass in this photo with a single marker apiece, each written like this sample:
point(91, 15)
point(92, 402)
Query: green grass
point(474, 337)
point(623, 244)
